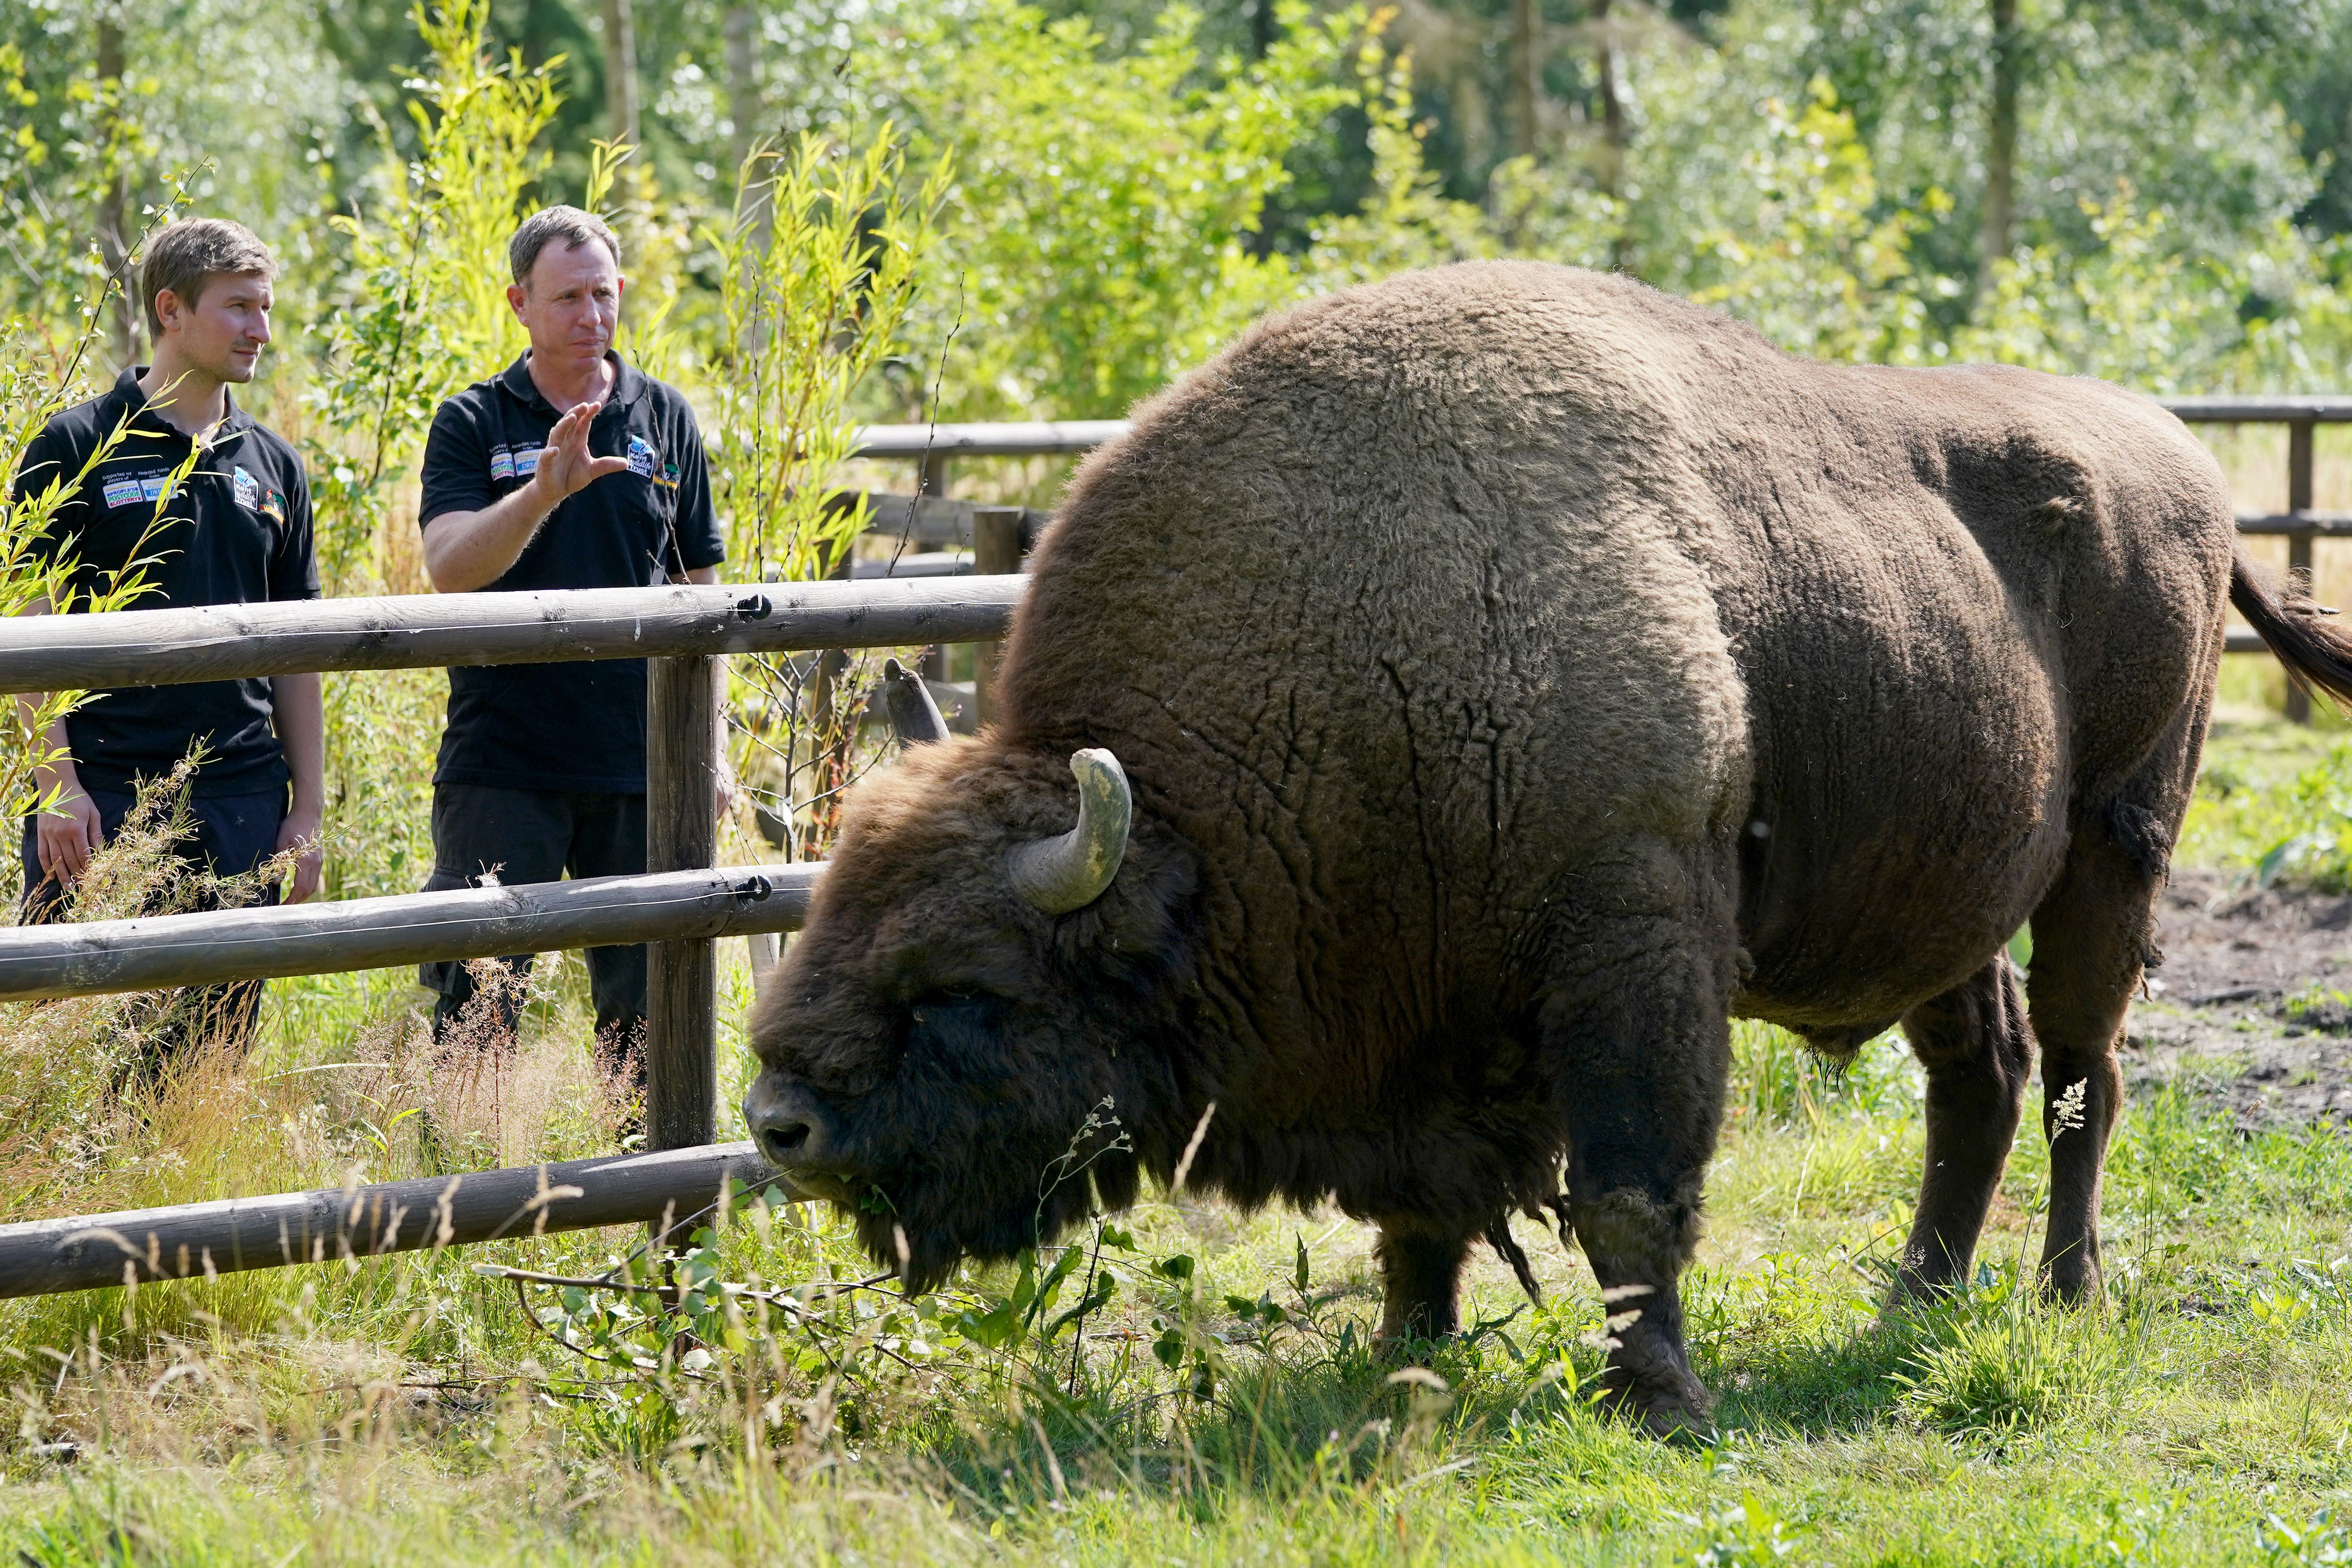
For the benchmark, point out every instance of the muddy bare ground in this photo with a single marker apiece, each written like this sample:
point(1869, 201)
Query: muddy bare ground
point(2253, 1007)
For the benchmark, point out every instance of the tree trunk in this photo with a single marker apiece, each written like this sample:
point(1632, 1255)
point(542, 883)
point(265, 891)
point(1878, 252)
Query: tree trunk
point(621, 72)
point(1526, 72)
point(1613, 107)
point(741, 28)
point(2001, 142)
point(1260, 27)
point(123, 312)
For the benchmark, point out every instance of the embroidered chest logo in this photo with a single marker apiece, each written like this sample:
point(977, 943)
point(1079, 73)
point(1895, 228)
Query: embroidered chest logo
point(248, 489)
point(668, 478)
point(134, 489)
point(642, 456)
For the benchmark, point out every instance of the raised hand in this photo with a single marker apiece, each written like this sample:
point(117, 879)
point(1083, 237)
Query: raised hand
point(564, 465)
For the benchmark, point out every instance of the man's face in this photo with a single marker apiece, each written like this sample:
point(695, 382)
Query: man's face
point(222, 334)
point(569, 305)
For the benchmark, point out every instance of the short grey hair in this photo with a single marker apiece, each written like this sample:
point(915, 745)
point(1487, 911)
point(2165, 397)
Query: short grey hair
point(570, 224)
point(191, 252)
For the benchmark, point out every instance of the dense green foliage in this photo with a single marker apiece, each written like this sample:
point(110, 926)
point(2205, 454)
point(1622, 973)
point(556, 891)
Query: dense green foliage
point(1133, 180)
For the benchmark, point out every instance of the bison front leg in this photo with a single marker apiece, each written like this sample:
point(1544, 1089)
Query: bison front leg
point(1646, 1062)
point(1421, 1275)
point(1977, 1052)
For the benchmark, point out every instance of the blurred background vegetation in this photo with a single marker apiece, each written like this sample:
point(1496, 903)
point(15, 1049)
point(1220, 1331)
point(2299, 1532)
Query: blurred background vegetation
point(2151, 190)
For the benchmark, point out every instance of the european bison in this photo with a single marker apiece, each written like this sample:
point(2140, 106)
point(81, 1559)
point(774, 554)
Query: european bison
point(1519, 672)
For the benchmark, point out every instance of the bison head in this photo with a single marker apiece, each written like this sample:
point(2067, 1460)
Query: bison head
point(981, 967)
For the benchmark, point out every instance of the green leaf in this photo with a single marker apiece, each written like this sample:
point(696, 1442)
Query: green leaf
point(1024, 1289)
point(1177, 1267)
point(992, 1330)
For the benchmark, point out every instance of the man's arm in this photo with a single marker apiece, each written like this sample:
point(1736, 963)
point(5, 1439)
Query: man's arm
point(301, 714)
point(64, 842)
point(468, 550)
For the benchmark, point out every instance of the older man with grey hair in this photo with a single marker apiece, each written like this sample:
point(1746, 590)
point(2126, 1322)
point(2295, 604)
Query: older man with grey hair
point(571, 468)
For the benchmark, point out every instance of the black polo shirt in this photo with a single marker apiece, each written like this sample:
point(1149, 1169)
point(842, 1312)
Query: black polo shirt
point(569, 727)
point(235, 532)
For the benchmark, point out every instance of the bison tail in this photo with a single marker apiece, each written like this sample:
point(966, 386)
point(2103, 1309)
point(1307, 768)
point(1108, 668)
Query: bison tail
point(2317, 655)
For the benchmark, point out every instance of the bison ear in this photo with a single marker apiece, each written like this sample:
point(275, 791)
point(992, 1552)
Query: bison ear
point(1059, 875)
point(914, 717)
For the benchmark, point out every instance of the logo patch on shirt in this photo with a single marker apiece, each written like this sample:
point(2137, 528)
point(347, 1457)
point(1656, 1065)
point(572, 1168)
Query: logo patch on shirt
point(248, 489)
point(642, 456)
point(513, 462)
point(133, 489)
point(668, 478)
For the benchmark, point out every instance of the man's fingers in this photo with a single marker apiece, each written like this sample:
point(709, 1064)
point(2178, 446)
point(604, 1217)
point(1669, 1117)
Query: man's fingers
point(599, 467)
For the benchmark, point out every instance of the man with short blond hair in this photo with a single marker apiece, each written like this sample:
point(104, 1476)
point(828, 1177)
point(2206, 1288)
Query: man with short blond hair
point(219, 509)
point(571, 468)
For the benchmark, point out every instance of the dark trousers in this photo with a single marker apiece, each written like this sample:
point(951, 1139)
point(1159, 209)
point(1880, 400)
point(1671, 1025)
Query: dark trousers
point(536, 835)
point(233, 833)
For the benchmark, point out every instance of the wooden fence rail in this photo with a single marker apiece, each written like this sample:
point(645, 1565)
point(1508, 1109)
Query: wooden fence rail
point(94, 958)
point(222, 642)
point(194, 1241)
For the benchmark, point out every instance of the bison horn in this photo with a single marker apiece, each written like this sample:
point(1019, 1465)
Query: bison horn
point(1059, 875)
point(914, 717)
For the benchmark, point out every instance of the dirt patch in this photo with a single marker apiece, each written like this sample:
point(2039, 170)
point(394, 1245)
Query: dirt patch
point(2252, 1008)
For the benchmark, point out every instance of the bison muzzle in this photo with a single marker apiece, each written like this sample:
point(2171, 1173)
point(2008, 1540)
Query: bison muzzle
point(1520, 674)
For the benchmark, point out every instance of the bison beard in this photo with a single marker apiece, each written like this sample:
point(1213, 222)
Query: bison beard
point(1521, 673)
point(956, 1177)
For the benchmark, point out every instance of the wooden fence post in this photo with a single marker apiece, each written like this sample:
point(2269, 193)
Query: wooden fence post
point(2298, 545)
point(681, 834)
point(996, 552)
point(932, 480)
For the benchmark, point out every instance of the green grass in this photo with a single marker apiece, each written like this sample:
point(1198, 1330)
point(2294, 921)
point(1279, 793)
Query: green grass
point(1222, 1405)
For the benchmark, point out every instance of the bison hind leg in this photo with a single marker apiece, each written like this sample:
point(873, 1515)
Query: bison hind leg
point(2092, 935)
point(1978, 1050)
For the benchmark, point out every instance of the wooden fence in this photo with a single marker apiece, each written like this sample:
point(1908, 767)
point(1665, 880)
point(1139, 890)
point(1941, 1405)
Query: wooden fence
point(680, 906)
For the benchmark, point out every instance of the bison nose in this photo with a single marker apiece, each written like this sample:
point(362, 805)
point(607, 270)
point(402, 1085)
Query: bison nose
point(793, 1131)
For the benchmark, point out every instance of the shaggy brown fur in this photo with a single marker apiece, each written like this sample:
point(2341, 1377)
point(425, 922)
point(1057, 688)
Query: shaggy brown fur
point(1520, 672)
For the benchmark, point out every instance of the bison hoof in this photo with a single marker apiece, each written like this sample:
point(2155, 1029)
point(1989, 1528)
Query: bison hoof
point(1664, 1404)
point(1410, 1345)
point(2076, 1286)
